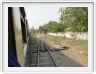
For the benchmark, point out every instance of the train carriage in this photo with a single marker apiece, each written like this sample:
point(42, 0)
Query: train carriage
point(17, 36)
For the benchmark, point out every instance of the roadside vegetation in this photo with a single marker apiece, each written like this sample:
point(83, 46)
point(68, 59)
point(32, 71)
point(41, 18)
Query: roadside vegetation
point(71, 19)
point(80, 45)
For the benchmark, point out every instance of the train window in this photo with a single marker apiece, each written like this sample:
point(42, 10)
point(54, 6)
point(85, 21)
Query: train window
point(24, 33)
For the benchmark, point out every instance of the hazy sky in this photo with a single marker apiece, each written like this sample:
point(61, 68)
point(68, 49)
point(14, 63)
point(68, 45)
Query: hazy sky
point(39, 15)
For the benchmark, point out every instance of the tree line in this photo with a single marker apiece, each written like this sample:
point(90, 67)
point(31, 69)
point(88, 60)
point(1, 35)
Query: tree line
point(74, 19)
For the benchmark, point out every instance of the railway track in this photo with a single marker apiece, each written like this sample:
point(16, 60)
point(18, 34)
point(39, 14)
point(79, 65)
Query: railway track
point(39, 54)
point(44, 56)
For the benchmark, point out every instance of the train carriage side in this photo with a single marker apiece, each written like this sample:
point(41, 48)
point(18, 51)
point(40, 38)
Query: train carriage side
point(17, 36)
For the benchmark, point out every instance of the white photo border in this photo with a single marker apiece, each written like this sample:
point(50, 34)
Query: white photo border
point(48, 0)
point(95, 36)
point(90, 67)
point(0, 39)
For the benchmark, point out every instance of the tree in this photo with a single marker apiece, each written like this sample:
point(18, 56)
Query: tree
point(74, 18)
point(51, 26)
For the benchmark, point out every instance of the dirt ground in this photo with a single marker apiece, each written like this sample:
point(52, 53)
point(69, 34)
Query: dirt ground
point(71, 52)
point(74, 54)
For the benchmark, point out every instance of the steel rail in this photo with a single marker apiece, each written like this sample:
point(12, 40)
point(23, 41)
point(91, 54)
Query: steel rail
point(51, 56)
point(38, 47)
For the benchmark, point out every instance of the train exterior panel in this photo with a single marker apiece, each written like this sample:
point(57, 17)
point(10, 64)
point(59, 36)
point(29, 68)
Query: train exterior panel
point(17, 35)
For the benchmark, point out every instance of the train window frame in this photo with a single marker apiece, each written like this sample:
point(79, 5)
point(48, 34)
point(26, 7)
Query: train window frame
point(57, 69)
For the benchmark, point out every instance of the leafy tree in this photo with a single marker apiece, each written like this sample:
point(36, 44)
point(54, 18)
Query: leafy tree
point(52, 26)
point(71, 19)
point(74, 18)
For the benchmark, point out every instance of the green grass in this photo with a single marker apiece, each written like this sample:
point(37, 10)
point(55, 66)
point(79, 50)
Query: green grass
point(80, 45)
point(55, 39)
